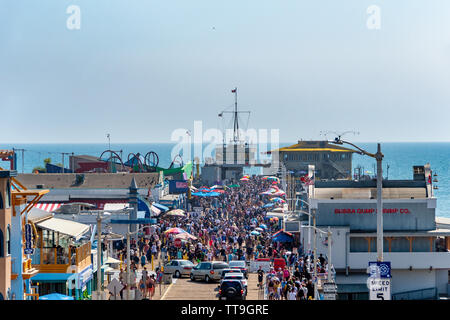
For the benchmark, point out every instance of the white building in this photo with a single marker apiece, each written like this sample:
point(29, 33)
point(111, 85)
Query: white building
point(416, 246)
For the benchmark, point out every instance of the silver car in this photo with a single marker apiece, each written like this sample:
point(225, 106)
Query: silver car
point(208, 271)
point(179, 268)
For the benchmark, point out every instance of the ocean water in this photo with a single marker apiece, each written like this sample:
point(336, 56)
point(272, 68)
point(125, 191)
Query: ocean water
point(400, 157)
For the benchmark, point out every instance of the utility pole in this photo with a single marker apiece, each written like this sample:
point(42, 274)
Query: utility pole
point(128, 262)
point(314, 255)
point(380, 244)
point(379, 158)
point(329, 254)
point(99, 252)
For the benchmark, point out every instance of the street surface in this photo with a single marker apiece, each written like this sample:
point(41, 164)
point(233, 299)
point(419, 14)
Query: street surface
point(184, 288)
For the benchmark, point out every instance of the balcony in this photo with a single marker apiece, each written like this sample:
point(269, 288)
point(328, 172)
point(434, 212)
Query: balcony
point(60, 260)
point(402, 260)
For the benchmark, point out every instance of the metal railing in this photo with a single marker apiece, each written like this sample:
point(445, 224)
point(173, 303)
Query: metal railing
point(421, 294)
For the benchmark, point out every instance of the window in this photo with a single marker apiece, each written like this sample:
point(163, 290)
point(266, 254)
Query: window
point(1, 244)
point(8, 195)
point(220, 266)
point(8, 240)
point(1, 201)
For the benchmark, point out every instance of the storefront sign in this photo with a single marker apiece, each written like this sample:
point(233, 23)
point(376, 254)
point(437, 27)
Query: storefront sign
point(370, 211)
point(178, 186)
point(85, 276)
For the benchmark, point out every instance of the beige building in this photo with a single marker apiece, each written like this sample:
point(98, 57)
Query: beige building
point(330, 161)
point(5, 235)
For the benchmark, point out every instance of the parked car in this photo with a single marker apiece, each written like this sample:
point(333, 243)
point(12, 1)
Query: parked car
point(241, 265)
point(208, 271)
point(230, 270)
point(179, 268)
point(231, 290)
point(236, 276)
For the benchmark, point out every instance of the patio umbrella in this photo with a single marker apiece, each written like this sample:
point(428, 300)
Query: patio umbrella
point(176, 213)
point(174, 231)
point(185, 236)
point(55, 296)
point(255, 233)
point(244, 179)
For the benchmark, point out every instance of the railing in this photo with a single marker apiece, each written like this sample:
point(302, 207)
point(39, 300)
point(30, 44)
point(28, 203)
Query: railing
point(57, 260)
point(83, 254)
point(422, 294)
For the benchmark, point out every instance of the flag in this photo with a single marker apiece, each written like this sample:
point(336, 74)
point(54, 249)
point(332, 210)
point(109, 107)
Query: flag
point(234, 90)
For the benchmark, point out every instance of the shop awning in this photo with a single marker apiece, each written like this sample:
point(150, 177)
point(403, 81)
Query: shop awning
point(52, 277)
point(67, 227)
point(49, 207)
point(160, 206)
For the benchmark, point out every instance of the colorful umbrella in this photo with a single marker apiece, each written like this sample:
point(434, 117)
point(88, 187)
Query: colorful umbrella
point(263, 226)
point(255, 233)
point(55, 296)
point(277, 200)
point(176, 213)
point(259, 229)
point(244, 179)
point(185, 236)
point(174, 231)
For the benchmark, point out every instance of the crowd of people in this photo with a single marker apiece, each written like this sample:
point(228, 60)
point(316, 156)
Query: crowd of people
point(223, 229)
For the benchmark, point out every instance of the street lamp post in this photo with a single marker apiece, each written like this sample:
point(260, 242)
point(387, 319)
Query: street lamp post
point(379, 158)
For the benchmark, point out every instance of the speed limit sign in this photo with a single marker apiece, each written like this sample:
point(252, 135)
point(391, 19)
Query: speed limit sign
point(380, 288)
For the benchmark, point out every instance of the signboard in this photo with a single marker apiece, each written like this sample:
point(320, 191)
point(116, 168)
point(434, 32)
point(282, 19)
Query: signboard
point(329, 296)
point(292, 226)
point(114, 288)
point(380, 269)
point(329, 287)
point(178, 186)
point(254, 266)
point(379, 288)
point(177, 243)
point(198, 209)
point(85, 276)
point(379, 282)
point(28, 239)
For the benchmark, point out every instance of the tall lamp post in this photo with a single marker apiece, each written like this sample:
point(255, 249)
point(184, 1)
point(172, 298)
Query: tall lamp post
point(379, 158)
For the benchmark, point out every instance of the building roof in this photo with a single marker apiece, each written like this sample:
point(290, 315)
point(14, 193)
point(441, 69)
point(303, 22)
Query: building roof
point(308, 146)
point(37, 215)
point(70, 228)
point(91, 180)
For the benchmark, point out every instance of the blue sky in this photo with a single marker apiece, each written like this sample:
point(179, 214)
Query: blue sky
point(141, 69)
